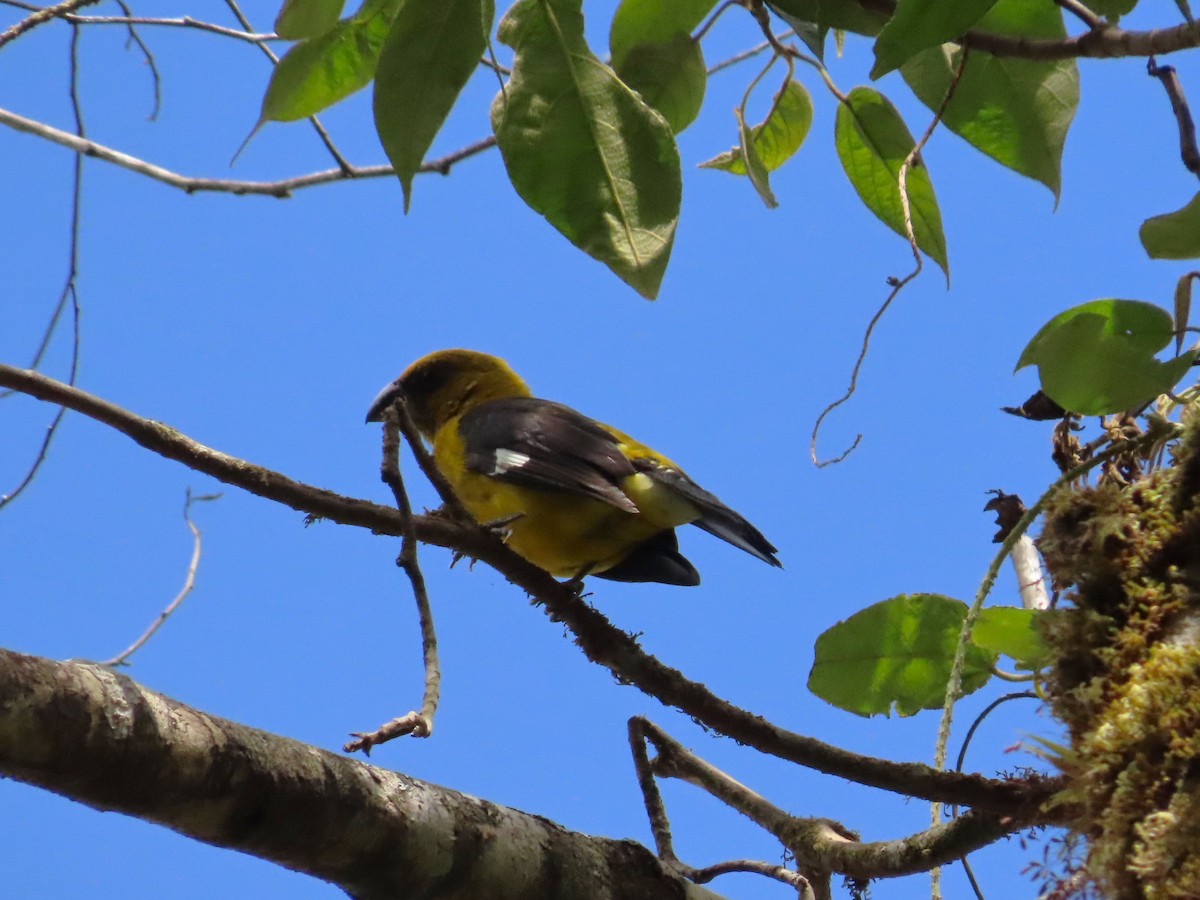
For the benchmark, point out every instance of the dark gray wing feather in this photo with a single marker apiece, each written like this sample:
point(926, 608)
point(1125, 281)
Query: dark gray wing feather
point(542, 444)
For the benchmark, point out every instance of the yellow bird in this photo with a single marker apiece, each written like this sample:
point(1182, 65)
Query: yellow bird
point(576, 497)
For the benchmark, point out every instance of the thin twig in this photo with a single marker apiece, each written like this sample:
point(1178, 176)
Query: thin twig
point(1188, 151)
point(641, 732)
point(897, 284)
point(712, 19)
point(41, 17)
point(656, 810)
point(136, 38)
point(418, 723)
point(279, 189)
point(822, 845)
point(962, 757)
point(428, 466)
point(1082, 13)
point(189, 582)
point(738, 57)
point(790, 877)
point(181, 22)
point(69, 291)
point(962, 753)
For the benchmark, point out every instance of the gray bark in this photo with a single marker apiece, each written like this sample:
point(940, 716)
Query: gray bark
point(97, 737)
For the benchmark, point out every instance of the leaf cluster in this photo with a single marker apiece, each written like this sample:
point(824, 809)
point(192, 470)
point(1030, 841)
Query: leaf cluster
point(589, 143)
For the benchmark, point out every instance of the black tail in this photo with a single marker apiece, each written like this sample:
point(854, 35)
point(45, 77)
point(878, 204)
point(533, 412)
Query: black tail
point(658, 559)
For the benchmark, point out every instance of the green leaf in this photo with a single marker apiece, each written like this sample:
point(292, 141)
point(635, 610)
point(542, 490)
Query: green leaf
point(1173, 235)
point(1183, 306)
point(919, 24)
point(638, 22)
point(1111, 9)
point(810, 33)
point(1014, 632)
point(319, 72)
point(872, 142)
point(583, 149)
point(299, 19)
point(896, 653)
point(670, 76)
point(753, 164)
point(846, 15)
point(777, 138)
point(1098, 358)
point(429, 54)
point(653, 52)
point(1016, 111)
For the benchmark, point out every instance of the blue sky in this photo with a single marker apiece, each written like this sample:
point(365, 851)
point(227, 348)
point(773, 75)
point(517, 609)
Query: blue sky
point(264, 328)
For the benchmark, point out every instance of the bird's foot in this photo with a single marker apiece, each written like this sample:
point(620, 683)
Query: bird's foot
point(499, 527)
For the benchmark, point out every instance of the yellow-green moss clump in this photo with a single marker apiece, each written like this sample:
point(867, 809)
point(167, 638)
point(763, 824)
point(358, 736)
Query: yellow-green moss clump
point(1126, 680)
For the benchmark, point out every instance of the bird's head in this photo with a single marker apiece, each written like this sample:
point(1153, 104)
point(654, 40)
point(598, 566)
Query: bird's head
point(447, 383)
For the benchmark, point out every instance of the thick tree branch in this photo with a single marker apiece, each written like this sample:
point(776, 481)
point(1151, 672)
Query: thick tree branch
point(83, 731)
point(595, 635)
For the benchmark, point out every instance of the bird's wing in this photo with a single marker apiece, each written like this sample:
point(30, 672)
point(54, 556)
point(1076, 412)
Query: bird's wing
point(715, 517)
point(542, 444)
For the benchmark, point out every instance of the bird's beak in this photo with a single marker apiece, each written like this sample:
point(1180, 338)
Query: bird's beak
point(383, 400)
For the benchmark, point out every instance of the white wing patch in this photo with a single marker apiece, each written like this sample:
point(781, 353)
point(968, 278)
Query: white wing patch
point(504, 460)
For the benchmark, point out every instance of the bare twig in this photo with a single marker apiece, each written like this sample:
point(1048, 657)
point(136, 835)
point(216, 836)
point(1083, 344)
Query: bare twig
point(1188, 151)
point(897, 284)
point(962, 757)
point(135, 37)
point(739, 57)
point(41, 17)
point(641, 732)
point(790, 877)
point(428, 466)
point(417, 723)
point(413, 723)
point(181, 22)
point(1082, 13)
point(596, 636)
point(189, 582)
point(280, 189)
point(69, 291)
point(712, 19)
point(822, 845)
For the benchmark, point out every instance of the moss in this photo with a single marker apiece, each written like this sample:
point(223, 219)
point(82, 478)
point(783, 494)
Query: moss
point(1126, 680)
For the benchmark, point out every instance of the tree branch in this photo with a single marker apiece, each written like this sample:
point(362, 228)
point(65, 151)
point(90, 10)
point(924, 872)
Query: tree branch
point(41, 17)
point(83, 731)
point(1106, 42)
point(418, 723)
point(600, 641)
point(280, 189)
point(822, 844)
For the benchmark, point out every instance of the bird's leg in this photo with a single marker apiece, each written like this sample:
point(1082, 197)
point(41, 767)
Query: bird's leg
point(499, 527)
point(575, 582)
